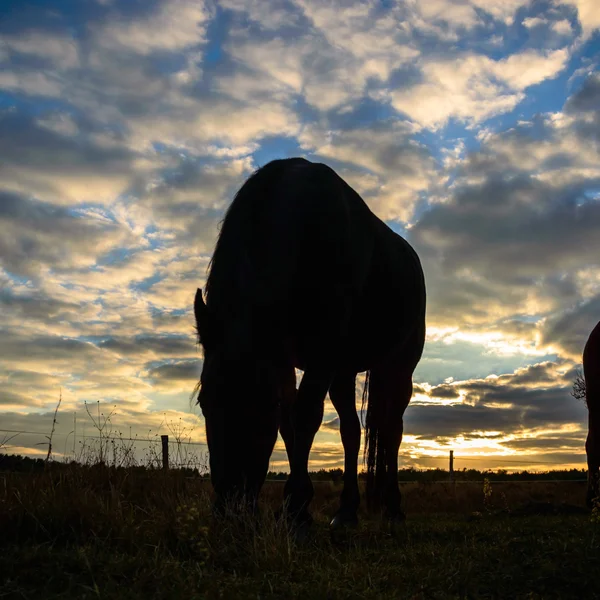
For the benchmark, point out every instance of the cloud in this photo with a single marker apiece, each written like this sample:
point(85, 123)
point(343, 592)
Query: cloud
point(187, 200)
point(184, 370)
point(473, 87)
point(333, 424)
point(503, 11)
point(52, 351)
point(399, 168)
point(25, 389)
point(35, 306)
point(517, 236)
point(138, 78)
point(37, 367)
point(587, 98)
point(571, 328)
point(453, 15)
point(171, 26)
point(64, 167)
point(588, 16)
point(36, 235)
point(128, 127)
point(159, 346)
point(561, 27)
point(331, 62)
point(54, 50)
point(533, 397)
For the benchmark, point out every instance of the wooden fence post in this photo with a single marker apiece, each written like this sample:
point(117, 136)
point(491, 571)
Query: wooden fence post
point(451, 470)
point(165, 451)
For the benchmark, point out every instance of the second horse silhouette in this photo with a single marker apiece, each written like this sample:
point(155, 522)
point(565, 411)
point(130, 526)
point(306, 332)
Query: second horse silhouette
point(591, 370)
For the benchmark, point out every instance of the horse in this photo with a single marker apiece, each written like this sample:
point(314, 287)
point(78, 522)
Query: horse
point(591, 373)
point(304, 276)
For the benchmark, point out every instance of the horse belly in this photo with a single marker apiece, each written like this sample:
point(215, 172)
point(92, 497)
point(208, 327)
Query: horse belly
point(392, 307)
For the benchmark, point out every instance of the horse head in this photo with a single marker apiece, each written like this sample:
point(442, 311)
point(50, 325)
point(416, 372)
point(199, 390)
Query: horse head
point(239, 400)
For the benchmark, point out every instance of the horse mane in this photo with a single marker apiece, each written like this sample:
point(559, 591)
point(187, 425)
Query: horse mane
point(239, 228)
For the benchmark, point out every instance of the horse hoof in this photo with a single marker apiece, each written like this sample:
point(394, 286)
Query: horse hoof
point(341, 521)
point(280, 515)
point(301, 532)
point(341, 526)
point(397, 525)
point(297, 524)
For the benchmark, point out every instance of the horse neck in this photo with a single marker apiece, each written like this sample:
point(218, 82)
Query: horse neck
point(254, 331)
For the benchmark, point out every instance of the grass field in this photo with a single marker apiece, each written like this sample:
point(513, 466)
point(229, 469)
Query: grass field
point(99, 533)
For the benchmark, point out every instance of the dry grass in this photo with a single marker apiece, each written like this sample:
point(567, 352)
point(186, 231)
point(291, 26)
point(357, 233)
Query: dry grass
point(116, 533)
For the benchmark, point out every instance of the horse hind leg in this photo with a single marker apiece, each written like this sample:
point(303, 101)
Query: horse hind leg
point(393, 389)
point(592, 449)
point(342, 394)
point(593, 462)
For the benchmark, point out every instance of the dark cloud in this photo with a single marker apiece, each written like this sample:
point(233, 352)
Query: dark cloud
point(515, 230)
point(21, 16)
point(483, 436)
point(541, 409)
point(35, 305)
point(533, 397)
point(462, 359)
point(173, 320)
point(571, 329)
point(534, 375)
point(419, 389)
point(34, 233)
point(517, 227)
point(445, 392)
point(184, 370)
point(190, 197)
point(27, 145)
point(433, 421)
point(587, 98)
point(48, 349)
point(9, 398)
point(333, 424)
point(160, 345)
point(543, 443)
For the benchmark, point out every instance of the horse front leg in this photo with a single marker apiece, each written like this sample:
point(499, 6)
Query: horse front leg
point(306, 416)
point(342, 394)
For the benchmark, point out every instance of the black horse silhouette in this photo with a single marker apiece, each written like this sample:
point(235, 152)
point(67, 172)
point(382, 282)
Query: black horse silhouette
point(305, 275)
point(591, 372)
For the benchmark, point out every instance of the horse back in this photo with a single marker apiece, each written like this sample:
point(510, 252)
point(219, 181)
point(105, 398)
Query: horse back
point(302, 255)
point(358, 288)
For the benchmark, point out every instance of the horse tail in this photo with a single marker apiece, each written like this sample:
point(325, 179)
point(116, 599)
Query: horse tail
point(374, 451)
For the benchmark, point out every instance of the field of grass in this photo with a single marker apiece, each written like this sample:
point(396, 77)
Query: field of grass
point(94, 532)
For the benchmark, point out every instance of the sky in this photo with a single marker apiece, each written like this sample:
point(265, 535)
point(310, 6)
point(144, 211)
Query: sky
point(472, 127)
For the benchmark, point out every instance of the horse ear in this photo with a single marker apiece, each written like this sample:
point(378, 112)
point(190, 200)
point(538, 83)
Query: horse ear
point(201, 312)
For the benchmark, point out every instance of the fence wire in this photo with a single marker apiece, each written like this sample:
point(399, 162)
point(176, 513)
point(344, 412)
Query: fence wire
point(184, 443)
